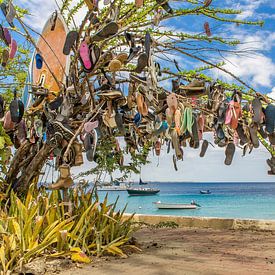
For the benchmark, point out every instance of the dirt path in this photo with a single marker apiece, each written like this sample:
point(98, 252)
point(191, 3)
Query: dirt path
point(192, 251)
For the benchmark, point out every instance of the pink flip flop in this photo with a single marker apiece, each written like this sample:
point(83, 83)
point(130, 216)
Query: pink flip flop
point(229, 112)
point(13, 49)
point(85, 55)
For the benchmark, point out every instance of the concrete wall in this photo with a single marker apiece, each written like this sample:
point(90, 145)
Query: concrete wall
point(203, 222)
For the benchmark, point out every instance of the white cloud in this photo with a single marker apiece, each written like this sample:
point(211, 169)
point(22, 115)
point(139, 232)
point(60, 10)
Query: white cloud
point(272, 94)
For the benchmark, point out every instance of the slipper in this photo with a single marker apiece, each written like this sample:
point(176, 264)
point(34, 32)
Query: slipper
point(5, 57)
point(114, 65)
point(2, 35)
point(270, 118)
point(38, 61)
point(110, 94)
point(204, 147)
point(229, 153)
point(207, 29)
point(8, 123)
point(157, 147)
point(53, 20)
point(241, 134)
point(201, 120)
point(172, 102)
point(188, 121)
point(271, 138)
point(207, 3)
point(71, 38)
point(164, 4)
point(133, 53)
point(161, 129)
point(257, 110)
point(177, 118)
point(7, 35)
point(109, 119)
point(2, 108)
point(56, 103)
point(13, 49)
point(253, 135)
point(147, 44)
point(91, 4)
point(16, 109)
point(119, 122)
point(38, 127)
point(141, 63)
point(137, 119)
point(90, 143)
point(175, 162)
point(195, 134)
point(176, 144)
point(236, 114)
point(169, 116)
point(262, 132)
point(90, 125)
point(222, 112)
point(220, 132)
point(4, 9)
point(85, 58)
point(139, 3)
point(10, 13)
point(141, 104)
point(129, 39)
point(109, 30)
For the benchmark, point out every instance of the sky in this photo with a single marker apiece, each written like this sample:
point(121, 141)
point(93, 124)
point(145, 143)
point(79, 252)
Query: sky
point(256, 68)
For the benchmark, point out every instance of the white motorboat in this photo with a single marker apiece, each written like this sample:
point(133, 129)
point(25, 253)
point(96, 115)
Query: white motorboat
point(162, 205)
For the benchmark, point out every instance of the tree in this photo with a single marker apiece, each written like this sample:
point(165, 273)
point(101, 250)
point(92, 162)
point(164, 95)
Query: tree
point(134, 24)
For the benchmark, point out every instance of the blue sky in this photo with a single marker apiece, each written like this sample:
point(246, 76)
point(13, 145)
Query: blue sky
point(257, 69)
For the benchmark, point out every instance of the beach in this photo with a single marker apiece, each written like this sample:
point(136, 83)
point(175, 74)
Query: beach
point(191, 251)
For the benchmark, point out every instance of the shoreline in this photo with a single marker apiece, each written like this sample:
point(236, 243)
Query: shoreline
point(207, 222)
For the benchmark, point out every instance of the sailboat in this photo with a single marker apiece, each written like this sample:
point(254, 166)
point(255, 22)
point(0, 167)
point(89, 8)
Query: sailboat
point(142, 182)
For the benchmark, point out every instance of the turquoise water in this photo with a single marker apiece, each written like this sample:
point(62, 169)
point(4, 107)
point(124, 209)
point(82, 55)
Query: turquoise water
point(228, 200)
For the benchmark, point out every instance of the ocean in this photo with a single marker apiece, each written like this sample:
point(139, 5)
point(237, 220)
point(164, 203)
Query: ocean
point(227, 200)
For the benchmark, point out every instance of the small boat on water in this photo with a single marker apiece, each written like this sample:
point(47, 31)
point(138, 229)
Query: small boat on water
point(205, 192)
point(162, 205)
point(142, 191)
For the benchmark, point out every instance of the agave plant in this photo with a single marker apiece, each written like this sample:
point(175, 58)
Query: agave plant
point(43, 223)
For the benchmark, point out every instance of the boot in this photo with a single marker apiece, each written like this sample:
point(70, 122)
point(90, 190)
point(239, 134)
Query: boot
point(64, 180)
point(62, 183)
point(78, 154)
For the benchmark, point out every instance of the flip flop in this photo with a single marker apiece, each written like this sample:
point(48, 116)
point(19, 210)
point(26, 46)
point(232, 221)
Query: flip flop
point(38, 61)
point(2, 109)
point(187, 121)
point(139, 3)
point(207, 3)
point(109, 30)
point(241, 134)
point(137, 119)
point(53, 20)
point(141, 63)
point(236, 114)
point(13, 49)
point(90, 125)
point(90, 142)
point(16, 109)
point(175, 162)
point(157, 147)
point(172, 102)
point(4, 9)
point(257, 110)
point(161, 129)
point(2, 35)
point(229, 153)
point(119, 122)
point(207, 29)
point(164, 4)
point(7, 35)
point(270, 118)
point(176, 144)
point(85, 58)
point(114, 65)
point(253, 136)
point(147, 44)
point(133, 53)
point(195, 134)
point(10, 13)
point(71, 38)
point(55, 104)
point(5, 57)
point(204, 147)
point(8, 123)
point(38, 127)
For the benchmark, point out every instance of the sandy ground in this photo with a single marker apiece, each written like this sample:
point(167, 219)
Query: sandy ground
point(192, 251)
